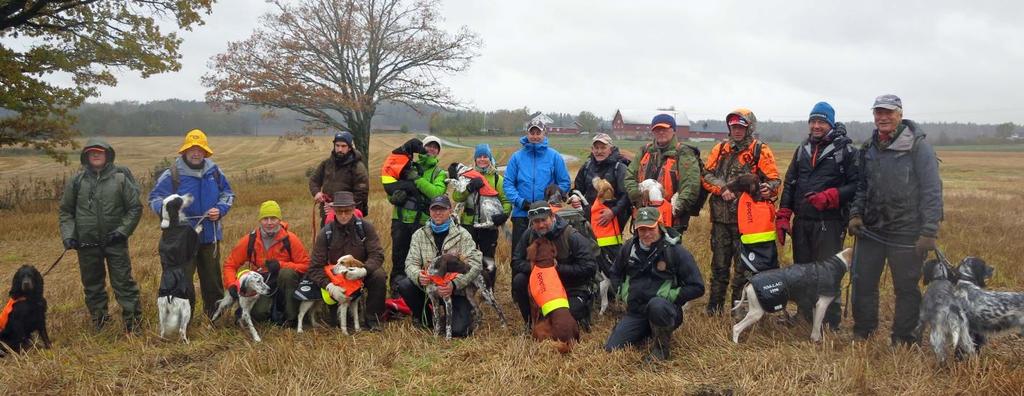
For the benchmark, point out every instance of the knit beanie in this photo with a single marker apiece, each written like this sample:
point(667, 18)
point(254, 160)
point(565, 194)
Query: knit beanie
point(484, 149)
point(270, 209)
point(823, 111)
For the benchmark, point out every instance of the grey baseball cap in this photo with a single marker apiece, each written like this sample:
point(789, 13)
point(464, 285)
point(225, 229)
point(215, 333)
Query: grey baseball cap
point(890, 101)
point(647, 217)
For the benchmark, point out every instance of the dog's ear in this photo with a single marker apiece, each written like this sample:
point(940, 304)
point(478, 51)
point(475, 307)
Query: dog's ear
point(453, 170)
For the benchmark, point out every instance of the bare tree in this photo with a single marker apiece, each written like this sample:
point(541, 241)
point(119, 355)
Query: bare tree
point(333, 61)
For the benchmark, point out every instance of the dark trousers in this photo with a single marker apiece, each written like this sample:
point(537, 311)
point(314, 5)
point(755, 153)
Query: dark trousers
point(905, 267)
point(519, 227)
point(816, 240)
point(725, 242)
point(401, 238)
point(635, 328)
point(416, 298)
point(487, 241)
point(211, 288)
point(94, 264)
point(281, 305)
point(580, 300)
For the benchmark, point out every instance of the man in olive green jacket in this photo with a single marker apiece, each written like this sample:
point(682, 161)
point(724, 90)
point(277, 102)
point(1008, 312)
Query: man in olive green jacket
point(99, 210)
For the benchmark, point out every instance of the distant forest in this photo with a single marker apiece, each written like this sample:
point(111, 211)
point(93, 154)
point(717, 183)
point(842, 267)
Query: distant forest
point(174, 117)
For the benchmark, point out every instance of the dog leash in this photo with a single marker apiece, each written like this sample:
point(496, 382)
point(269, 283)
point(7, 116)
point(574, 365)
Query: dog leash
point(56, 261)
point(878, 238)
point(849, 286)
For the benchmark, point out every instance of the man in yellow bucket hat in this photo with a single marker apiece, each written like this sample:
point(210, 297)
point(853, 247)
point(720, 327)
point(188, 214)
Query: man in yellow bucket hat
point(196, 174)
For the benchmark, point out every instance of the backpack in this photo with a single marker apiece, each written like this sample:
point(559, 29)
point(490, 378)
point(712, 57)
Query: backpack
point(329, 233)
point(251, 248)
point(176, 179)
point(576, 219)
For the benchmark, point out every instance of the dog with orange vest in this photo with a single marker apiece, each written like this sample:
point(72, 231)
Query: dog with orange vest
point(550, 303)
point(346, 290)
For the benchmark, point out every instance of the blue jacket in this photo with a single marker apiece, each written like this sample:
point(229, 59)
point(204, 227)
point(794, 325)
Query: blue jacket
point(529, 171)
point(210, 190)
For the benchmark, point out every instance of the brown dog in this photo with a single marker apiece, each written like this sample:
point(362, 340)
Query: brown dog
point(558, 324)
point(605, 191)
point(746, 183)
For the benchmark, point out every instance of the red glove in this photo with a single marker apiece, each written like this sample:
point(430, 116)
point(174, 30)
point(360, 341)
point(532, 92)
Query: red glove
point(828, 199)
point(782, 226)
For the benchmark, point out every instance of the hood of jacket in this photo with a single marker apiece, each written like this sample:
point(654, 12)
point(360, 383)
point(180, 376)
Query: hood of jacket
point(747, 115)
point(534, 148)
point(97, 142)
point(906, 135)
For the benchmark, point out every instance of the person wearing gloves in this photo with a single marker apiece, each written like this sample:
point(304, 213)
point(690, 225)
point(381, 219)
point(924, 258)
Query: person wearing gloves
point(895, 215)
point(99, 210)
point(277, 254)
point(441, 235)
point(486, 238)
point(820, 183)
point(658, 276)
point(348, 234)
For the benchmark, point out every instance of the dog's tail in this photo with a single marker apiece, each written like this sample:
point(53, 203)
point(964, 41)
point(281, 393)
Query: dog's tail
point(743, 298)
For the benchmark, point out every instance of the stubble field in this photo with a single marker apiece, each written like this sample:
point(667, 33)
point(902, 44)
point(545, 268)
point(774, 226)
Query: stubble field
point(982, 202)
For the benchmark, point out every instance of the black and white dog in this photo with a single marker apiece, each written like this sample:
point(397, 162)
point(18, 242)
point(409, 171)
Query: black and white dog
point(941, 312)
point(769, 291)
point(988, 312)
point(25, 311)
point(178, 245)
point(251, 286)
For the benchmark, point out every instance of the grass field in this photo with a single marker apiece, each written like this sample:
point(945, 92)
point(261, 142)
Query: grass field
point(982, 200)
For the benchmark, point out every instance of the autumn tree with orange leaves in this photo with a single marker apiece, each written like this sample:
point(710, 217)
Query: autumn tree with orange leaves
point(333, 61)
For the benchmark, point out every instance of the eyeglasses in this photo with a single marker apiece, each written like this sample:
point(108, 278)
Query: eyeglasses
point(543, 210)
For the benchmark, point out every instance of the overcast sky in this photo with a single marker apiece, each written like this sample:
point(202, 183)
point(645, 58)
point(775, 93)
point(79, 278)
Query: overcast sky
point(948, 60)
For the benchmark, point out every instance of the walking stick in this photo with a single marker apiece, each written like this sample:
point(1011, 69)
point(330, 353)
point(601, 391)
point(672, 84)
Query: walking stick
point(850, 287)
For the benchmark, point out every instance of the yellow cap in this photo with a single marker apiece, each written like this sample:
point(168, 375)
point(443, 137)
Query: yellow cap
point(195, 137)
point(270, 209)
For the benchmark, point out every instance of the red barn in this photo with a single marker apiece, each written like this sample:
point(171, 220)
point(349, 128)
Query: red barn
point(636, 124)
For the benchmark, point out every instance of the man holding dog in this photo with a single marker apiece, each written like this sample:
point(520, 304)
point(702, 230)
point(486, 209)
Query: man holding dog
point(279, 256)
point(441, 235)
point(895, 215)
point(99, 210)
point(343, 171)
point(740, 154)
point(607, 217)
point(195, 173)
point(675, 166)
point(486, 238)
point(576, 263)
point(658, 276)
point(358, 237)
point(820, 183)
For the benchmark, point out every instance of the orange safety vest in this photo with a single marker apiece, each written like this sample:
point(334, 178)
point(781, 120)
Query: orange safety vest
point(391, 171)
point(756, 220)
point(486, 190)
point(666, 181)
point(607, 235)
point(6, 313)
point(351, 286)
point(547, 290)
point(443, 280)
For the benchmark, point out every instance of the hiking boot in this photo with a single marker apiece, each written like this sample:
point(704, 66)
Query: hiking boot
point(661, 343)
point(99, 322)
point(373, 326)
point(133, 327)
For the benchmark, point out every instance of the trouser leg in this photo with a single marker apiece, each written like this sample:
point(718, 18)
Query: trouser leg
point(519, 227)
point(401, 238)
point(521, 295)
point(287, 282)
point(722, 251)
point(905, 267)
point(93, 272)
point(126, 290)
point(207, 265)
point(416, 299)
point(631, 330)
point(866, 272)
point(462, 316)
point(375, 284)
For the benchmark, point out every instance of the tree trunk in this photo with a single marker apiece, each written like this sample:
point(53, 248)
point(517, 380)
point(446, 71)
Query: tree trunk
point(361, 138)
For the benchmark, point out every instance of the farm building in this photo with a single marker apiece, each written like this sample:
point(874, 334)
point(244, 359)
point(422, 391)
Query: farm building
point(708, 130)
point(550, 128)
point(636, 124)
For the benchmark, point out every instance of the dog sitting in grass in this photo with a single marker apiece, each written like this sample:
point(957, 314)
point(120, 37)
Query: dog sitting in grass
point(24, 313)
point(550, 303)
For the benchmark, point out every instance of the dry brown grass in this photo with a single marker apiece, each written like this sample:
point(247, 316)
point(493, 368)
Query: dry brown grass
point(982, 196)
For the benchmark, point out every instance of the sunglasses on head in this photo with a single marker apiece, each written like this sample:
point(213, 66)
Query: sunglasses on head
point(543, 210)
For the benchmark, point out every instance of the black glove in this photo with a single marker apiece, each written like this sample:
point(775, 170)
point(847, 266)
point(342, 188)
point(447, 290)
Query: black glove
point(273, 266)
point(115, 237)
point(233, 291)
point(499, 219)
point(839, 129)
point(475, 185)
point(525, 206)
point(398, 197)
point(70, 244)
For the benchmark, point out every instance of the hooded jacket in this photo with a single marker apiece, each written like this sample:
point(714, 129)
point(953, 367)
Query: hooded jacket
point(530, 170)
point(816, 167)
point(899, 191)
point(342, 173)
point(613, 169)
point(95, 203)
point(577, 255)
point(730, 159)
point(208, 186)
point(345, 239)
point(423, 250)
point(298, 261)
point(666, 270)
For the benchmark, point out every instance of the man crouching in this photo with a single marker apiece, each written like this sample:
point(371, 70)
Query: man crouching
point(658, 275)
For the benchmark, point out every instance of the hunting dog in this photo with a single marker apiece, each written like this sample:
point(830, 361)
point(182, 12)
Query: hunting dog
point(251, 287)
point(988, 312)
point(347, 273)
point(605, 193)
point(547, 291)
point(25, 312)
point(445, 268)
point(178, 245)
point(485, 201)
point(769, 291)
point(941, 312)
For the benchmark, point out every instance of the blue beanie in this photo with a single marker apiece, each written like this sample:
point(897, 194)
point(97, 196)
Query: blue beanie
point(664, 119)
point(343, 136)
point(484, 149)
point(824, 111)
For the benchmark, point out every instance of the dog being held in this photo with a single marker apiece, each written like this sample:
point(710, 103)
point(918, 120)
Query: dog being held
point(769, 291)
point(347, 273)
point(178, 245)
point(549, 306)
point(606, 195)
point(251, 286)
point(24, 313)
point(484, 202)
point(941, 312)
point(988, 312)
